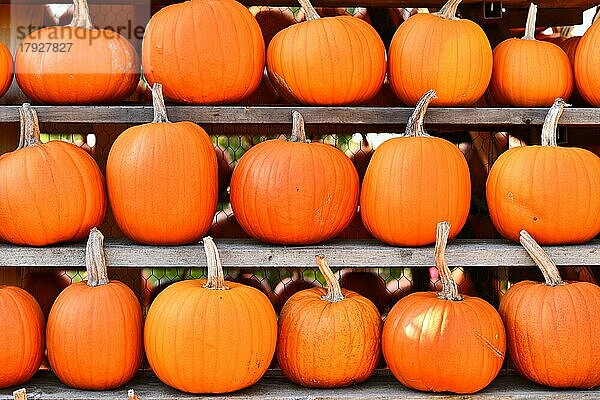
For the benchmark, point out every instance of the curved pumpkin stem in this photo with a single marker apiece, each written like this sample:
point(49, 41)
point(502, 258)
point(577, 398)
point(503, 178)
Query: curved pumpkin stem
point(334, 291)
point(530, 24)
point(298, 130)
point(81, 15)
point(95, 259)
point(449, 287)
point(414, 127)
point(30, 127)
point(309, 10)
point(158, 103)
point(216, 279)
point(20, 394)
point(550, 127)
point(131, 395)
point(541, 259)
point(448, 10)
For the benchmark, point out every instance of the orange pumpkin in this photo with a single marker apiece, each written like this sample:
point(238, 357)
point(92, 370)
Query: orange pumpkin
point(570, 46)
point(430, 183)
point(94, 333)
point(444, 342)
point(219, 46)
point(307, 192)
point(347, 70)
point(587, 58)
point(328, 338)
point(231, 343)
point(551, 326)
point(440, 51)
point(529, 72)
point(22, 333)
point(6, 69)
point(76, 64)
point(153, 204)
point(547, 190)
point(49, 193)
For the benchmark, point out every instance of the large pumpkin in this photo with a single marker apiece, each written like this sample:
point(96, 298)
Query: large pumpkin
point(162, 180)
point(347, 70)
point(587, 58)
point(6, 69)
point(413, 182)
point(294, 192)
point(529, 72)
point(204, 51)
point(444, 342)
point(440, 51)
point(551, 326)
point(22, 333)
point(231, 342)
point(94, 333)
point(49, 193)
point(550, 191)
point(328, 338)
point(76, 64)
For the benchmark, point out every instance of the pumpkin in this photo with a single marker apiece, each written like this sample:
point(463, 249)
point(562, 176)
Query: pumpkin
point(440, 51)
point(551, 326)
point(444, 342)
point(6, 69)
point(529, 72)
point(430, 183)
point(328, 338)
point(157, 205)
point(49, 193)
point(367, 284)
point(550, 191)
point(289, 286)
point(94, 333)
point(570, 46)
point(219, 46)
point(587, 57)
point(22, 333)
point(307, 192)
point(45, 286)
point(228, 347)
point(84, 65)
point(345, 71)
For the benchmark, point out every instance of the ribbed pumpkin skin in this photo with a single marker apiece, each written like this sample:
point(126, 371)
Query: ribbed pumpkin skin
point(431, 183)
point(210, 341)
point(551, 192)
point(294, 193)
point(570, 46)
point(204, 51)
point(438, 345)
point(162, 182)
point(94, 336)
point(22, 333)
point(531, 73)
point(106, 71)
point(587, 65)
point(6, 69)
point(552, 332)
point(342, 61)
point(49, 193)
point(453, 57)
point(326, 345)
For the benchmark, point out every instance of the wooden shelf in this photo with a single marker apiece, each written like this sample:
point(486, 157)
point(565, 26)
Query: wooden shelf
point(249, 254)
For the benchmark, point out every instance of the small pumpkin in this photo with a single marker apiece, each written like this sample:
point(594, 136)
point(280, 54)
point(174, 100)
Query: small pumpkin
point(157, 205)
point(444, 342)
point(524, 179)
point(587, 58)
point(551, 326)
point(307, 192)
point(328, 338)
point(22, 333)
point(231, 343)
point(431, 182)
point(6, 69)
point(289, 286)
point(94, 333)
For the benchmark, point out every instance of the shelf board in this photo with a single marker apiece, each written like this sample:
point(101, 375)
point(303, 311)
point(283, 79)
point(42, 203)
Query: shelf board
point(242, 253)
point(44, 386)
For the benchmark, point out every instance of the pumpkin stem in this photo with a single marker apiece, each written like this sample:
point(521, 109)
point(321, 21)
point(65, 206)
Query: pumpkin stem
point(530, 24)
point(158, 103)
point(20, 394)
point(131, 395)
point(414, 127)
point(541, 259)
point(81, 15)
point(30, 127)
point(334, 291)
point(449, 287)
point(448, 10)
point(95, 259)
point(550, 127)
point(298, 131)
point(216, 279)
point(311, 13)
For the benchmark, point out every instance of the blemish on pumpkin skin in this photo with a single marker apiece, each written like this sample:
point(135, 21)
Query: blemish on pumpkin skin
point(489, 344)
point(511, 197)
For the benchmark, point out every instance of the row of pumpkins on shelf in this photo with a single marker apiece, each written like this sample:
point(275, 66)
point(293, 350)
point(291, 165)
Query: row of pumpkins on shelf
point(342, 62)
point(213, 336)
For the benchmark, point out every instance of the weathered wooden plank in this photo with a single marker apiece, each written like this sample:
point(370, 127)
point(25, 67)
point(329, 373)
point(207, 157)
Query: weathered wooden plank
point(248, 253)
